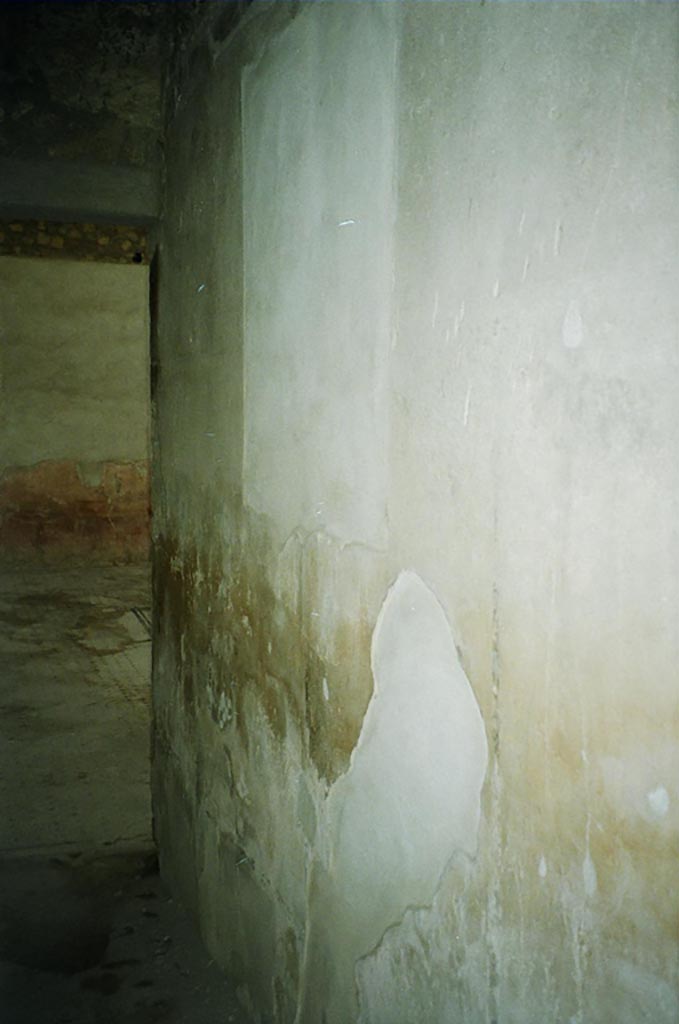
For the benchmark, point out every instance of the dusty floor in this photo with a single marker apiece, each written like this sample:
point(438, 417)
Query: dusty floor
point(88, 932)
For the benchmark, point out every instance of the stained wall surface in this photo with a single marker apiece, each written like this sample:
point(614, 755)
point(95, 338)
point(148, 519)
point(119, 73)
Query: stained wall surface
point(80, 102)
point(75, 409)
point(415, 543)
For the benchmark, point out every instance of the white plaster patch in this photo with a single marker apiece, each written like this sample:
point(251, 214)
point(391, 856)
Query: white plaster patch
point(326, 691)
point(542, 868)
point(572, 332)
point(409, 801)
point(659, 801)
point(412, 794)
point(632, 783)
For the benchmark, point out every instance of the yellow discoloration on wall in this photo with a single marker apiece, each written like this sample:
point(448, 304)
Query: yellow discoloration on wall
point(523, 473)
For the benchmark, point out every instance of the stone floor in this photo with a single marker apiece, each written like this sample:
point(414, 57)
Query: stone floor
point(88, 932)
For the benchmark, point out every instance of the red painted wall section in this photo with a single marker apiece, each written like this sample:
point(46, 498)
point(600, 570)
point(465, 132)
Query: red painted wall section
point(74, 416)
point(65, 510)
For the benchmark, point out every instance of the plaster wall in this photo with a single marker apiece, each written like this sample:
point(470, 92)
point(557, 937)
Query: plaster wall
point(77, 191)
point(75, 410)
point(415, 543)
point(80, 110)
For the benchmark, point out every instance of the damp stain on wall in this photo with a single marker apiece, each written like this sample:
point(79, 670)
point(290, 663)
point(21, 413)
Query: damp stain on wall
point(64, 509)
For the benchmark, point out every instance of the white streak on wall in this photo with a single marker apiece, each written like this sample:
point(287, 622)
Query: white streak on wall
point(589, 875)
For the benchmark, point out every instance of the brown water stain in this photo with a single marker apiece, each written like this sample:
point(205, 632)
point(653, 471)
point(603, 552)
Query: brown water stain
point(50, 512)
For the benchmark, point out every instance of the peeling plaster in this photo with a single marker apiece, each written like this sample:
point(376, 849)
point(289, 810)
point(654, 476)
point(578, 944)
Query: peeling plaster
point(410, 799)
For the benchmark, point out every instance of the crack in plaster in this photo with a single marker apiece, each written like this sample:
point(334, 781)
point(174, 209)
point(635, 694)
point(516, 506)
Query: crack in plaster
point(303, 537)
